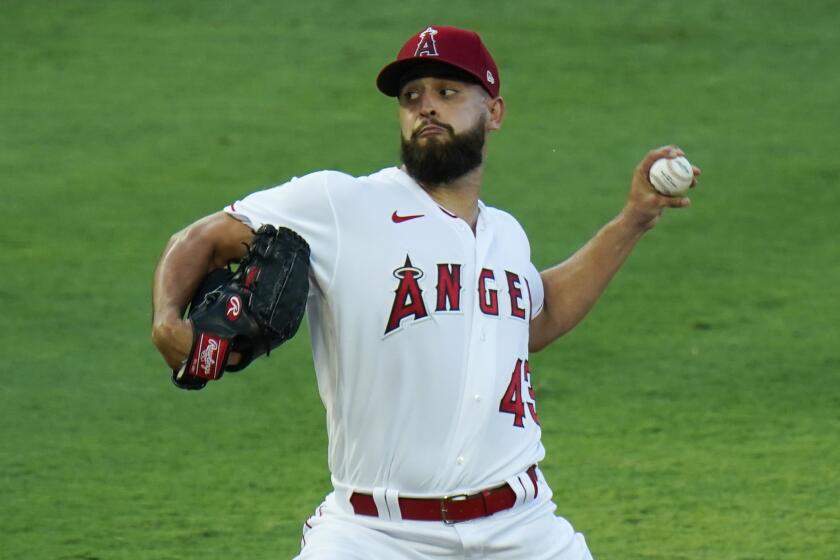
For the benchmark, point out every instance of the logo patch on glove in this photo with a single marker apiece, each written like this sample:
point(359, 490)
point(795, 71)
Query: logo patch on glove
point(208, 360)
point(234, 306)
point(208, 357)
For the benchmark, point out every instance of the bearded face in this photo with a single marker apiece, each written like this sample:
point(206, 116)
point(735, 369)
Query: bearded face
point(442, 158)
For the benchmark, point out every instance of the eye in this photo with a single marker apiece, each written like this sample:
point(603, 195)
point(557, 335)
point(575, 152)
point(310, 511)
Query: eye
point(448, 92)
point(410, 95)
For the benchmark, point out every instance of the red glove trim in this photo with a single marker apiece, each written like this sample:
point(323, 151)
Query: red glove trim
point(209, 357)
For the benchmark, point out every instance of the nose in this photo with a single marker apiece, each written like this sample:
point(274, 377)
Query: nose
point(427, 105)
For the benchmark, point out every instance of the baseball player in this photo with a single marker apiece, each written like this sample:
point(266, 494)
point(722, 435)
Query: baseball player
point(423, 307)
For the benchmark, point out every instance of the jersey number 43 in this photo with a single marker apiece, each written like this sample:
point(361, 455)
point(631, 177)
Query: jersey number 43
point(514, 402)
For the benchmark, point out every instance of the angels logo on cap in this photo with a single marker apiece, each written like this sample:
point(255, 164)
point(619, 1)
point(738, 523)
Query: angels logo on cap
point(461, 49)
point(427, 46)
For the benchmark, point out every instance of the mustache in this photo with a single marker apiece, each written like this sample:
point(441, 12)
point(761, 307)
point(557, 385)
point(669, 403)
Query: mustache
point(434, 122)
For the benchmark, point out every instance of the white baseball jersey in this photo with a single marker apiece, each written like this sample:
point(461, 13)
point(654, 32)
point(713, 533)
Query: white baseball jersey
point(419, 332)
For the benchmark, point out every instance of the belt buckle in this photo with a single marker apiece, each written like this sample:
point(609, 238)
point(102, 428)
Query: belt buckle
point(444, 511)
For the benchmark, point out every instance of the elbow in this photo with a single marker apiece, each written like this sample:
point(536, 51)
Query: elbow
point(538, 337)
point(180, 237)
point(545, 329)
point(534, 347)
point(539, 343)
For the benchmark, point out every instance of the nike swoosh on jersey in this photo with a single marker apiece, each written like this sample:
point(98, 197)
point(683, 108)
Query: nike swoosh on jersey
point(397, 219)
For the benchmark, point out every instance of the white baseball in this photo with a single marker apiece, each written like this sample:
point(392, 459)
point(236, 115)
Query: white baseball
point(671, 176)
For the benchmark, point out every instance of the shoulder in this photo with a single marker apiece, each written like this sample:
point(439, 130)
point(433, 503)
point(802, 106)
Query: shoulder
point(504, 221)
point(340, 180)
point(322, 178)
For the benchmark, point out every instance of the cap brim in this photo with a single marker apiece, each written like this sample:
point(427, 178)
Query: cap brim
point(391, 77)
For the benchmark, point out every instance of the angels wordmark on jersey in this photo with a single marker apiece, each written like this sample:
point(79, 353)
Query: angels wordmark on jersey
point(408, 300)
point(419, 332)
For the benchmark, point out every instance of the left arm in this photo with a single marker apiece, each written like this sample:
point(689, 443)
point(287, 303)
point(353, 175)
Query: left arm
point(573, 286)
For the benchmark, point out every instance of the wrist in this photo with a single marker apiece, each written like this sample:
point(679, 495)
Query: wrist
point(166, 316)
point(632, 222)
point(165, 323)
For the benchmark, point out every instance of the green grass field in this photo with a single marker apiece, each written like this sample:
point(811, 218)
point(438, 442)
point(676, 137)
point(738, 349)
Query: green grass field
point(695, 414)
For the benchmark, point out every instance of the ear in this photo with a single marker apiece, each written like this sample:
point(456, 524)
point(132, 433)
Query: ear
point(496, 108)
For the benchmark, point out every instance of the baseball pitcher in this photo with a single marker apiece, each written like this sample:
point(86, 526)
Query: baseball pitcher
point(423, 308)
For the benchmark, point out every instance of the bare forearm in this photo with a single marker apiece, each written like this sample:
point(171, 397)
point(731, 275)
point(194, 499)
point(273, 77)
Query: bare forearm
point(184, 261)
point(573, 287)
point(189, 255)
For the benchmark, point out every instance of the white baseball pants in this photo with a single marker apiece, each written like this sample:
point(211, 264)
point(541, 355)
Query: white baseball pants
point(527, 531)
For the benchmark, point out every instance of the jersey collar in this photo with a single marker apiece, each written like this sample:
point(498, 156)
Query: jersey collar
point(408, 181)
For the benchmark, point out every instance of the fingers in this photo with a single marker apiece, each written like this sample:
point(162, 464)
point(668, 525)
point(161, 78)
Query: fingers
point(174, 363)
point(645, 203)
point(669, 151)
point(696, 170)
point(643, 169)
point(677, 202)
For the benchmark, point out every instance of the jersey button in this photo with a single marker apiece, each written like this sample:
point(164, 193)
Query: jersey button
point(460, 461)
point(477, 397)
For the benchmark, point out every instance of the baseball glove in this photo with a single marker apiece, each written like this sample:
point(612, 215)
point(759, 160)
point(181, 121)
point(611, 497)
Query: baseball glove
point(250, 311)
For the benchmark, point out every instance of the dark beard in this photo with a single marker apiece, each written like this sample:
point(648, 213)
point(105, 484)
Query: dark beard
point(443, 161)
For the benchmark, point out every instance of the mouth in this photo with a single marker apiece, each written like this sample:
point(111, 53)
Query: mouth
point(430, 130)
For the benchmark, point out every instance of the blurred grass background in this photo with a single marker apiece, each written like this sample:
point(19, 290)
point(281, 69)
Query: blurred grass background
point(694, 415)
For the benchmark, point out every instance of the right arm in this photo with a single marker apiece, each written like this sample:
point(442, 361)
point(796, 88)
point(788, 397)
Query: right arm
point(190, 254)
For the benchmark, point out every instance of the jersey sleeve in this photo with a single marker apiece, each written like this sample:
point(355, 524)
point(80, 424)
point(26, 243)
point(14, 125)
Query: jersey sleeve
point(536, 290)
point(303, 205)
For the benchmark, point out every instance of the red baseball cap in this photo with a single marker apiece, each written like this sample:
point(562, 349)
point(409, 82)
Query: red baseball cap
point(457, 48)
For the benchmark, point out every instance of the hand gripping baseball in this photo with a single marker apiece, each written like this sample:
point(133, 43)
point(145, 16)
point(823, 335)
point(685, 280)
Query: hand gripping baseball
point(248, 312)
point(645, 204)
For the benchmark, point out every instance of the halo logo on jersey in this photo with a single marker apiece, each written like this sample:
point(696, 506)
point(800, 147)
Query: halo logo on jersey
point(427, 46)
point(409, 296)
point(234, 306)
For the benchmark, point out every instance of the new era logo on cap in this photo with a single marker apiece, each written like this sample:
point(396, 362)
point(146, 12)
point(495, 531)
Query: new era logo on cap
point(459, 48)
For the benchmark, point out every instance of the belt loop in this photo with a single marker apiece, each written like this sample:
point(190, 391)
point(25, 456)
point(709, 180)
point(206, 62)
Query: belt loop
point(381, 503)
point(392, 501)
point(528, 485)
point(524, 486)
point(535, 478)
point(342, 498)
point(516, 485)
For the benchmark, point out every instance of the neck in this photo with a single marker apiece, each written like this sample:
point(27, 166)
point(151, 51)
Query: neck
point(459, 196)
